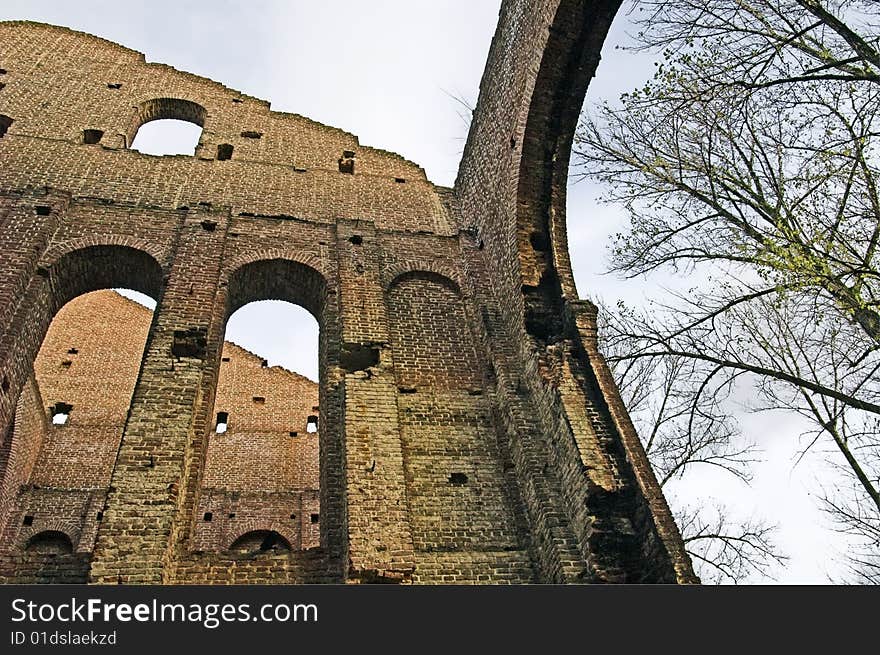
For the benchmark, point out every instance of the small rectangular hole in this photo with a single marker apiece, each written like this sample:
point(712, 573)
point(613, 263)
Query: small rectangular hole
point(28, 520)
point(222, 422)
point(224, 152)
point(458, 478)
point(208, 516)
point(259, 400)
point(314, 518)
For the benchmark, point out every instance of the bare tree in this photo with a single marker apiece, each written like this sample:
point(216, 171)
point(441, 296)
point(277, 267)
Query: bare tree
point(750, 163)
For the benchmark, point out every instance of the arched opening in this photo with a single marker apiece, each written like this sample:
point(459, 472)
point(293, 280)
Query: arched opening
point(167, 126)
point(260, 541)
point(49, 543)
point(167, 137)
point(74, 398)
point(263, 454)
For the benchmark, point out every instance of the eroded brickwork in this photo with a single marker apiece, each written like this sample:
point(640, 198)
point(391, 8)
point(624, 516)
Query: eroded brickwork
point(469, 429)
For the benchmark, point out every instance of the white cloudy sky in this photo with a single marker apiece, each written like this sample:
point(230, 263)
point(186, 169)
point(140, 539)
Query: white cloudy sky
point(388, 71)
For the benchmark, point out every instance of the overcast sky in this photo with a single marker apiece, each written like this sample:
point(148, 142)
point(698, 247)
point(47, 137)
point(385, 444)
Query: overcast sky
point(389, 71)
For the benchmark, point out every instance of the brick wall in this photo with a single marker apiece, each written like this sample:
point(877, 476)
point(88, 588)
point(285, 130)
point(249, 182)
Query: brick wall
point(469, 428)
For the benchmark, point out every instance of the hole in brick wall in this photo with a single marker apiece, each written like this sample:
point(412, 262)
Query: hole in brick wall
point(5, 384)
point(224, 152)
point(312, 424)
point(293, 516)
point(400, 180)
point(49, 542)
point(5, 123)
point(264, 363)
point(208, 516)
point(168, 131)
point(358, 357)
point(91, 137)
point(2, 86)
point(222, 422)
point(43, 210)
point(72, 351)
point(259, 400)
point(224, 359)
point(231, 515)
point(114, 85)
point(28, 520)
point(66, 363)
point(314, 517)
point(237, 101)
point(2, 71)
point(296, 169)
point(209, 226)
point(191, 342)
point(346, 162)
point(260, 541)
point(99, 516)
point(248, 134)
point(293, 433)
point(315, 408)
point(406, 389)
point(356, 239)
point(458, 478)
point(60, 413)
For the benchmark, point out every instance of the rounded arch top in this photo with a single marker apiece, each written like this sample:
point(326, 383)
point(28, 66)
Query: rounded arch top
point(442, 279)
point(166, 108)
point(49, 542)
point(74, 271)
point(276, 278)
point(400, 271)
point(260, 541)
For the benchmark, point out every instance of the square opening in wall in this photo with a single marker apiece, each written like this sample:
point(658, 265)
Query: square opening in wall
point(315, 518)
point(91, 137)
point(28, 520)
point(458, 479)
point(312, 424)
point(224, 152)
point(60, 413)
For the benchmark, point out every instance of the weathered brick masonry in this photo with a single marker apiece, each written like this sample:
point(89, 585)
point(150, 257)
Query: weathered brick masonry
point(470, 431)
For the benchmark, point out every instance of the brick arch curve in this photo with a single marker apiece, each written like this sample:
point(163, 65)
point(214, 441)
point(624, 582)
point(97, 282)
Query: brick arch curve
point(104, 266)
point(65, 527)
point(239, 261)
point(155, 109)
point(251, 527)
point(57, 251)
point(438, 273)
point(277, 278)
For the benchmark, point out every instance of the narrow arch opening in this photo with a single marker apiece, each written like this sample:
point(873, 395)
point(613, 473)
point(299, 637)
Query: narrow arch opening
point(267, 390)
point(73, 398)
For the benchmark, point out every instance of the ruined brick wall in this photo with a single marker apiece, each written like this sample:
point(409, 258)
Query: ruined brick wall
point(258, 476)
point(261, 474)
point(469, 429)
